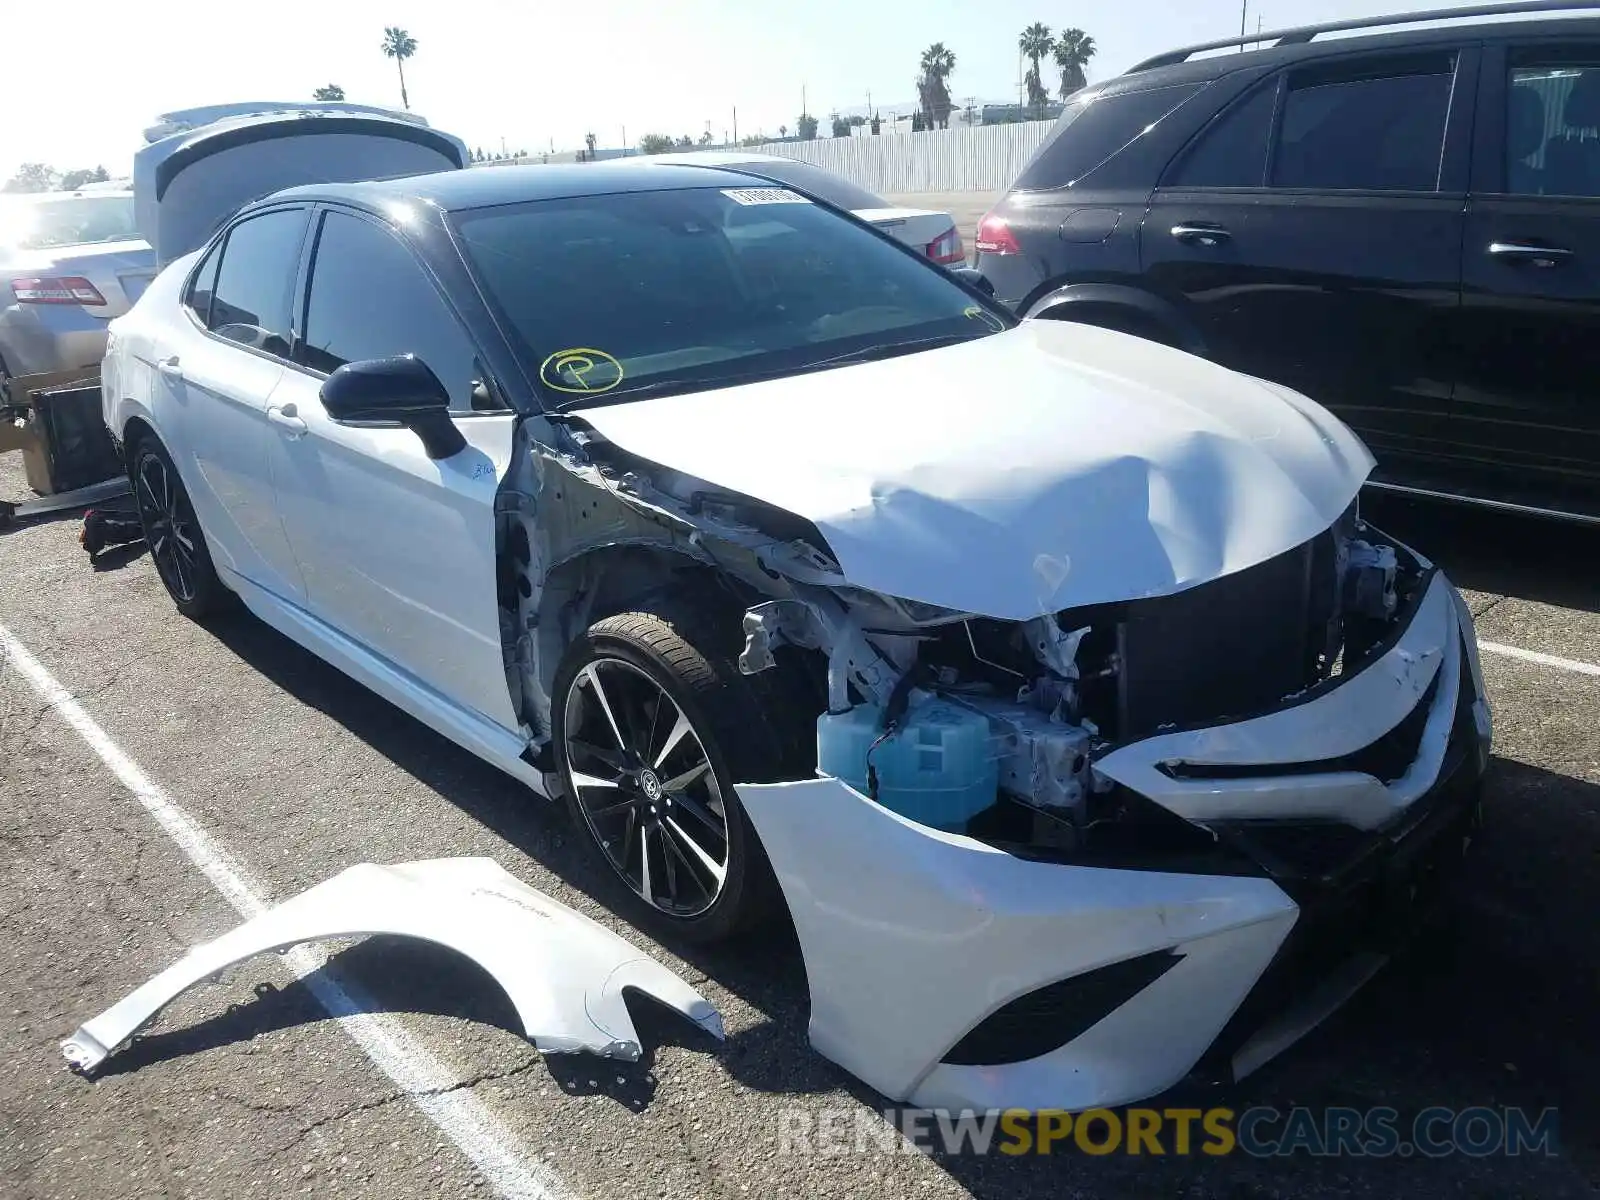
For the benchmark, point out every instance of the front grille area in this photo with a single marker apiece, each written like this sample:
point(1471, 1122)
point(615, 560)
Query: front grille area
point(1227, 649)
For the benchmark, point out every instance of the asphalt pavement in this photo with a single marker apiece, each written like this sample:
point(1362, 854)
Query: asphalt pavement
point(291, 772)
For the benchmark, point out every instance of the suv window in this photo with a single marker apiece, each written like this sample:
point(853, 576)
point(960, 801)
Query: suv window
point(1091, 131)
point(1553, 130)
point(370, 298)
point(256, 279)
point(1232, 150)
point(1380, 127)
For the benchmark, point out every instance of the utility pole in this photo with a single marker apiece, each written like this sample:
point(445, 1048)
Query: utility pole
point(735, 124)
point(1243, 6)
point(624, 139)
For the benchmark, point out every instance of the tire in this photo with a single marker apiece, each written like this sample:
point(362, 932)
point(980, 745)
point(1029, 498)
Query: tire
point(177, 545)
point(743, 729)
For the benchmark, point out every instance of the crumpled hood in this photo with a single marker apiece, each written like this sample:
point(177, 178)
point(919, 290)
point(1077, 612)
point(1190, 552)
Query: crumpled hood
point(1050, 466)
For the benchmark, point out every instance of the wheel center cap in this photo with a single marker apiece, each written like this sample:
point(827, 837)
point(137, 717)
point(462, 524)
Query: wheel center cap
point(650, 785)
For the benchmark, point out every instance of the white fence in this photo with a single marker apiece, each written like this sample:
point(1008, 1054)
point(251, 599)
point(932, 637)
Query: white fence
point(968, 158)
point(978, 158)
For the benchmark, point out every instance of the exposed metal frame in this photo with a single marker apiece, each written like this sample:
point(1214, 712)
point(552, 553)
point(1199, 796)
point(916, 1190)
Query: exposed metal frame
point(1301, 34)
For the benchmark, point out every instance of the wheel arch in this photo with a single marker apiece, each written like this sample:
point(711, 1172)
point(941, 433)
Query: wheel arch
point(576, 590)
point(1119, 306)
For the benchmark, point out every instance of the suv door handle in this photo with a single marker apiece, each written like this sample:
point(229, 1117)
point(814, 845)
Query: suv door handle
point(286, 418)
point(1538, 255)
point(1201, 234)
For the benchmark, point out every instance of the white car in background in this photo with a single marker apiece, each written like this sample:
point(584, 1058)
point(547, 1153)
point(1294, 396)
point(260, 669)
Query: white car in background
point(924, 230)
point(69, 263)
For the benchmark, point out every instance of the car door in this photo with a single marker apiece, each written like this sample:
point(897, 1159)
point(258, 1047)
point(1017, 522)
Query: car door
point(397, 550)
point(1312, 234)
point(219, 378)
point(1528, 399)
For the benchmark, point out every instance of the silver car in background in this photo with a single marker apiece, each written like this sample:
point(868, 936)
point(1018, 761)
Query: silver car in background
point(69, 263)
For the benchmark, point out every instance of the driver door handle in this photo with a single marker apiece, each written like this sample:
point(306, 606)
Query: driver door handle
point(287, 419)
point(170, 367)
point(1200, 233)
point(1530, 252)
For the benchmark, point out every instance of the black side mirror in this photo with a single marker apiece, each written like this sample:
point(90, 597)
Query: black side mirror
point(973, 277)
point(403, 389)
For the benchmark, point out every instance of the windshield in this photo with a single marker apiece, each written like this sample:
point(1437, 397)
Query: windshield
point(613, 296)
point(43, 222)
point(841, 193)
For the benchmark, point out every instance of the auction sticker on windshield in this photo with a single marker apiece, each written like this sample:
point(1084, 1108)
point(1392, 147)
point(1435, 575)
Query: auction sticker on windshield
point(749, 196)
point(582, 370)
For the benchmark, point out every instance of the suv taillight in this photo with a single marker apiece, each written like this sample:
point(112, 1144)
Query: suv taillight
point(995, 236)
point(947, 248)
point(56, 289)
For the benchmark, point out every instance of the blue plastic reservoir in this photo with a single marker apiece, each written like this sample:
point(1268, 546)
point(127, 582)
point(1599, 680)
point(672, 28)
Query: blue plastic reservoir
point(941, 768)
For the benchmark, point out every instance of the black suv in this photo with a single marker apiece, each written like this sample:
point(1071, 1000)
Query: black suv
point(1404, 226)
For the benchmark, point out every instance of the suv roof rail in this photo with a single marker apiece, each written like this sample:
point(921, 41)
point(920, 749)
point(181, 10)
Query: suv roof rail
point(1304, 33)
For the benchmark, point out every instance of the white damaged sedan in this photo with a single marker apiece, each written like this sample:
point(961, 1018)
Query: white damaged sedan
point(1046, 677)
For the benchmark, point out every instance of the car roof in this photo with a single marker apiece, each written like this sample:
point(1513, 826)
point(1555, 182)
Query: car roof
point(484, 187)
point(1224, 62)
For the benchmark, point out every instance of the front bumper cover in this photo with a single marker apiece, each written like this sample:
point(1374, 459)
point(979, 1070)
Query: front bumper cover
point(936, 960)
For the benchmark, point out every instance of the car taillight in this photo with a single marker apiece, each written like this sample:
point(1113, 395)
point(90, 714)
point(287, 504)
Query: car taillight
point(995, 236)
point(56, 289)
point(947, 247)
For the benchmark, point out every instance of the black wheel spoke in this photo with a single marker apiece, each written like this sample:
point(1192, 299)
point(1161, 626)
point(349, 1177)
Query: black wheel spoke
point(603, 754)
point(700, 813)
point(678, 782)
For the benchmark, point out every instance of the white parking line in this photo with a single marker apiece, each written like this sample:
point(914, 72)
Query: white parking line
point(1544, 660)
point(459, 1114)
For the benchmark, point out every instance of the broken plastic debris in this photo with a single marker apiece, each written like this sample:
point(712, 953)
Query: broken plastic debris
point(564, 973)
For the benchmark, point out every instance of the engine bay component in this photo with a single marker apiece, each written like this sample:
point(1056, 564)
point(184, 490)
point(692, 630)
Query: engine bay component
point(564, 973)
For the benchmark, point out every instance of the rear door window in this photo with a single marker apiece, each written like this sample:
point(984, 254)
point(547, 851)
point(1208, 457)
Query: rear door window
point(255, 281)
point(1091, 131)
point(1553, 123)
point(1231, 152)
point(1375, 126)
point(198, 299)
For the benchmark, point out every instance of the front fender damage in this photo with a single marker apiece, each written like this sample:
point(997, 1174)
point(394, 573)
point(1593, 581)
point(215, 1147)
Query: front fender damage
point(565, 974)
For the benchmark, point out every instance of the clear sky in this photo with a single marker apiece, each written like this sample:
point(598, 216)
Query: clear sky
point(89, 75)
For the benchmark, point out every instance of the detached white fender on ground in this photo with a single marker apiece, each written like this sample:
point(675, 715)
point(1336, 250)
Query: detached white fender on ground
point(564, 973)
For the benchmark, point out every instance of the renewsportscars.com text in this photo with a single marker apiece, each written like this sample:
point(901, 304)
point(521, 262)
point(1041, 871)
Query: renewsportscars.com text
point(1261, 1132)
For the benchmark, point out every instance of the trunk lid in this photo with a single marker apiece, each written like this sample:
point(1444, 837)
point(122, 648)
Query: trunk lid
point(190, 181)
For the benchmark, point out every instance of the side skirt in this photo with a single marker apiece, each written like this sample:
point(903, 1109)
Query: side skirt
point(491, 742)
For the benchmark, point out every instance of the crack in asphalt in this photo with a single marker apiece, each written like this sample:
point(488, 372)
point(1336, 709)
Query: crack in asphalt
point(391, 1097)
point(1493, 601)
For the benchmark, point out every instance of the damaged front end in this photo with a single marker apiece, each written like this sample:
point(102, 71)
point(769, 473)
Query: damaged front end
point(1140, 825)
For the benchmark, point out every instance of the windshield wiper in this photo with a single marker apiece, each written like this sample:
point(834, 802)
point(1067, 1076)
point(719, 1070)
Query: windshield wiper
point(733, 378)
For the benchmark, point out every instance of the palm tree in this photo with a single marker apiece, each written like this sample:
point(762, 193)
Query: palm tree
point(399, 45)
point(937, 64)
point(331, 92)
point(1035, 43)
point(783, 131)
point(591, 141)
point(1073, 52)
